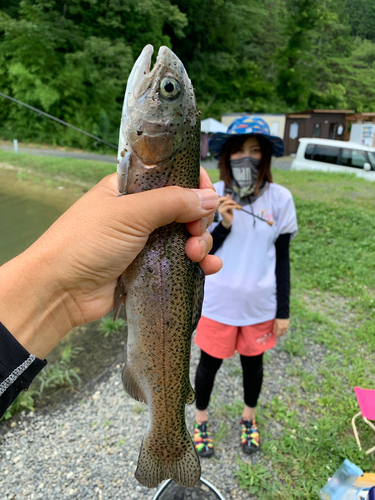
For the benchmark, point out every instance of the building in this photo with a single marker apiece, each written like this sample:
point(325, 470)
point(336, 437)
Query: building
point(324, 123)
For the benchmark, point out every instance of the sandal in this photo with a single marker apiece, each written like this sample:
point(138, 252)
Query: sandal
point(202, 441)
point(250, 439)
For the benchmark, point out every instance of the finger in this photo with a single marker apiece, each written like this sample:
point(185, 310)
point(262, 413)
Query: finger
point(204, 180)
point(228, 203)
point(198, 227)
point(211, 264)
point(197, 247)
point(149, 210)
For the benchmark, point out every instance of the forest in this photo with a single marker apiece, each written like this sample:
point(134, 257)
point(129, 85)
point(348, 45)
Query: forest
point(72, 58)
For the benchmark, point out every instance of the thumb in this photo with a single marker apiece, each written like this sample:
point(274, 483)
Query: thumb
point(159, 207)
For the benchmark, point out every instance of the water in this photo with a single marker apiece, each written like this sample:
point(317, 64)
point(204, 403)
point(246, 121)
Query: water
point(27, 209)
point(22, 221)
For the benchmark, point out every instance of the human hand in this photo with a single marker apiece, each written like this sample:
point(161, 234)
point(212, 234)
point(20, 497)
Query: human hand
point(226, 210)
point(280, 327)
point(68, 276)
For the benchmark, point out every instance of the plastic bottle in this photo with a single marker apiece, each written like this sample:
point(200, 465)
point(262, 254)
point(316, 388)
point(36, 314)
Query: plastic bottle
point(342, 480)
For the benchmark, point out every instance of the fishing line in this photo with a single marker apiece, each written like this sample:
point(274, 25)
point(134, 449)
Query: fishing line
point(40, 112)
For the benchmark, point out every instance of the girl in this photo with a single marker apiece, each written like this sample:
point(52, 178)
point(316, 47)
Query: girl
point(246, 304)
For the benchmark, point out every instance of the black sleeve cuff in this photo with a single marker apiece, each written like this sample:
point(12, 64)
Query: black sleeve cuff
point(18, 368)
point(282, 276)
point(218, 235)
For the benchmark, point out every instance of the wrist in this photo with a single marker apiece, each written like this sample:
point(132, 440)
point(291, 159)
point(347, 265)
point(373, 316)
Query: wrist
point(32, 304)
point(226, 224)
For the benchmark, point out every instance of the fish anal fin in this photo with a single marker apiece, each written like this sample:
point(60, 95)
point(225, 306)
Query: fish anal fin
point(131, 384)
point(120, 296)
point(151, 470)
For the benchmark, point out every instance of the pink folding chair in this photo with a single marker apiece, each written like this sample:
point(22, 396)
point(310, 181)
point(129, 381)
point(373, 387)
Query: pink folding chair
point(366, 401)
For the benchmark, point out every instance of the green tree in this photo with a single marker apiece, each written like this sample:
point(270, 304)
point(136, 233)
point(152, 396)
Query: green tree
point(362, 18)
point(72, 60)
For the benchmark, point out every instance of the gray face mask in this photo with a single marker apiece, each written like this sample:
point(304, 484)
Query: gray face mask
point(245, 172)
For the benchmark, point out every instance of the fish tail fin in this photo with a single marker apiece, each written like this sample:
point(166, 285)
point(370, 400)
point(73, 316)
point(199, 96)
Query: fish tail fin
point(151, 470)
point(120, 297)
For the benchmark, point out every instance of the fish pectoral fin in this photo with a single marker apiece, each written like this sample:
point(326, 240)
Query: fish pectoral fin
point(120, 296)
point(122, 173)
point(131, 384)
point(190, 398)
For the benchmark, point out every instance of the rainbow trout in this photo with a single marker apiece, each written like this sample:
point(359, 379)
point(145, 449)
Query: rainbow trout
point(162, 289)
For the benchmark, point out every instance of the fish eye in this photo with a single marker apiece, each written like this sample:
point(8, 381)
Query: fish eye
point(170, 88)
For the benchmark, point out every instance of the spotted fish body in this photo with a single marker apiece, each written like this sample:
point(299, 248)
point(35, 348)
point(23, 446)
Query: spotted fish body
point(162, 289)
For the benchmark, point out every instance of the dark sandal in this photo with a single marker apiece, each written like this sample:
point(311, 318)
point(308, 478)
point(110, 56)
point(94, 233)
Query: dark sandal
point(250, 439)
point(202, 441)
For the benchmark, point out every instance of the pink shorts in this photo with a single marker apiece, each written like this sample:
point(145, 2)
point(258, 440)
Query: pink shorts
point(221, 341)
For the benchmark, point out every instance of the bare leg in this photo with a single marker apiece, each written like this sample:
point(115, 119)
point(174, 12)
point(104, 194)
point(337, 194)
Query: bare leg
point(201, 416)
point(248, 413)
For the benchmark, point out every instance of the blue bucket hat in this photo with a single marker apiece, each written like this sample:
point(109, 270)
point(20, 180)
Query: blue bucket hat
point(246, 125)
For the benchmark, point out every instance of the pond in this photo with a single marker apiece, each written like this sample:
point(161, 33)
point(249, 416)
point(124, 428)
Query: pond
point(27, 209)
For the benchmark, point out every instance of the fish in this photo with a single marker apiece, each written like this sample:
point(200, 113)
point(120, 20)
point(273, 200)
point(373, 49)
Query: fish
point(162, 290)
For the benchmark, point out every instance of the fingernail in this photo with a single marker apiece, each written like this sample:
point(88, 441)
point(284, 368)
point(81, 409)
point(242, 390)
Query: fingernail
point(203, 246)
point(204, 223)
point(209, 200)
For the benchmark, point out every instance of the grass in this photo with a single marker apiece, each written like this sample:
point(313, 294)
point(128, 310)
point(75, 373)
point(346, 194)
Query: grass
point(332, 308)
point(110, 327)
point(70, 169)
point(58, 374)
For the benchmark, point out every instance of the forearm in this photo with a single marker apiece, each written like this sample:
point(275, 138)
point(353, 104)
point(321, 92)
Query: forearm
point(18, 368)
point(32, 307)
point(219, 234)
point(282, 276)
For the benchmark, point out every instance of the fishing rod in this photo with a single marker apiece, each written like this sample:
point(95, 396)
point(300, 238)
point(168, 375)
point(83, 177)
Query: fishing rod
point(269, 222)
point(40, 112)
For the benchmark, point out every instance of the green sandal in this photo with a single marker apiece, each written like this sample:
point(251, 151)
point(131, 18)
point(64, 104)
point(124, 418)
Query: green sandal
point(202, 441)
point(250, 439)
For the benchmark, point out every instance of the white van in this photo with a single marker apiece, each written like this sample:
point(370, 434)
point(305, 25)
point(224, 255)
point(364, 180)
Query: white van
point(327, 155)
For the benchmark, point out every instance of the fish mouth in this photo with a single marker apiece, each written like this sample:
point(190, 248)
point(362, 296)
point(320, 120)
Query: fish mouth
point(146, 84)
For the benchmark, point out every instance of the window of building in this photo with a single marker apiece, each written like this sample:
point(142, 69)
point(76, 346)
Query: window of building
point(293, 130)
point(275, 128)
point(332, 130)
point(326, 154)
point(317, 129)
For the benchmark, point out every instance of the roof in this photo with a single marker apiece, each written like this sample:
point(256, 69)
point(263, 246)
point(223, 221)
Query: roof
point(328, 111)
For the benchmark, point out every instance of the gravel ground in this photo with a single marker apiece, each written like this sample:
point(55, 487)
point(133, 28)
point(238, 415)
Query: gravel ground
point(87, 447)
